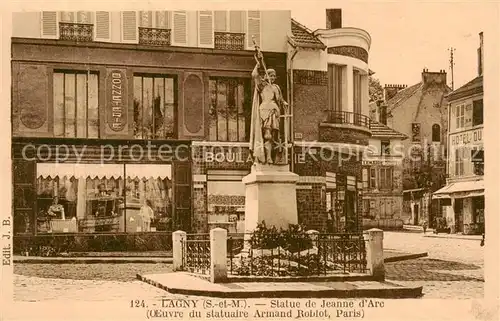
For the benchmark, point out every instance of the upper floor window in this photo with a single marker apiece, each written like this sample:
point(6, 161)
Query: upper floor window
point(415, 132)
point(76, 112)
point(76, 25)
point(154, 107)
point(229, 30)
point(460, 116)
point(436, 133)
point(477, 112)
point(357, 92)
point(385, 178)
point(385, 147)
point(229, 109)
point(335, 79)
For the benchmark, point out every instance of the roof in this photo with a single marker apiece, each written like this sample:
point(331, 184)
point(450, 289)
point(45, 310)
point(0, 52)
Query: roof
point(380, 130)
point(403, 95)
point(303, 37)
point(474, 86)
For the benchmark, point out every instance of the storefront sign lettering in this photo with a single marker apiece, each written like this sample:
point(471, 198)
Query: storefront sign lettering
point(380, 162)
point(117, 100)
point(470, 137)
point(229, 157)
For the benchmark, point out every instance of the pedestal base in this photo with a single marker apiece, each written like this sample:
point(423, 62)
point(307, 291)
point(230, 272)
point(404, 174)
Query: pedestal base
point(270, 196)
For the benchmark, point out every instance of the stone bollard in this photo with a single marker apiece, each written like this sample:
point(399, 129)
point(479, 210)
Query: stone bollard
point(375, 253)
point(178, 238)
point(218, 255)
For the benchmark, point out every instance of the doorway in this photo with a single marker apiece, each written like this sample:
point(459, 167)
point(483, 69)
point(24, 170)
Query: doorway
point(349, 211)
point(416, 213)
point(459, 217)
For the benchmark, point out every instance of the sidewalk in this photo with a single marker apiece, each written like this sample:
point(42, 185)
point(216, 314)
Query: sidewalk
point(455, 236)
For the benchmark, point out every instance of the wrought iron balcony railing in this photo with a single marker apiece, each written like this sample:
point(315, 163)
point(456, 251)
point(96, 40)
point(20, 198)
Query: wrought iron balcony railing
point(229, 40)
point(82, 32)
point(154, 36)
point(348, 118)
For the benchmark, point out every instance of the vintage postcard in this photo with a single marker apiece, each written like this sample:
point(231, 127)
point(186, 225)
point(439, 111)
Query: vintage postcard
point(249, 160)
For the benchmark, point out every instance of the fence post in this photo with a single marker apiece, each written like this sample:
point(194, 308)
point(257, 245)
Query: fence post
point(178, 238)
point(375, 253)
point(218, 255)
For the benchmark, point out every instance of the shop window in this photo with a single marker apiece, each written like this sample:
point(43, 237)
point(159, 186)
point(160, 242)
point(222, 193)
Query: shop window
point(436, 133)
point(76, 104)
point(477, 112)
point(385, 178)
point(357, 94)
point(92, 198)
point(335, 87)
point(459, 161)
point(154, 107)
point(229, 109)
point(226, 200)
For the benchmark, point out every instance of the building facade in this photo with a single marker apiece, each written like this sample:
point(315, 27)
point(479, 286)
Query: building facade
point(463, 196)
point(115, 114)
point(129, 125)
point(331, 128)
point(383, 179)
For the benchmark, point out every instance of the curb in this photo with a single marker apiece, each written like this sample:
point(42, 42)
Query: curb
point(92, 260)
point(454, 237)
point(394, 293)
point(405, 257)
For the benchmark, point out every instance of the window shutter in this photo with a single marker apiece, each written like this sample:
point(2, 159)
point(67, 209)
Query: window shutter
point(49, 24)
point(129, 26)
point(206, 29)
point(253, 29)
point(180, 28)
point(236, 19)
point(220, 21)
point(102, 26)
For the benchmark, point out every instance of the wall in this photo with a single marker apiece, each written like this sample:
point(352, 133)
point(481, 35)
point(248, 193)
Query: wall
point(311, 60)
point(34, 61)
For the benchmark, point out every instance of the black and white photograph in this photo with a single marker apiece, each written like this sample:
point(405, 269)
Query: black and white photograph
point(218, 160)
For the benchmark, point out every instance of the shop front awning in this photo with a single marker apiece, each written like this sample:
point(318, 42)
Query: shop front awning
point(101, 171)
point(460, 190)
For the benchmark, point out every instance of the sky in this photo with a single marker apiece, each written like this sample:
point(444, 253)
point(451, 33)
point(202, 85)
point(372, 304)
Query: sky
point(408, 37)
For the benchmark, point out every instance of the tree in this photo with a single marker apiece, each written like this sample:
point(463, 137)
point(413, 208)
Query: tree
point(375, 89)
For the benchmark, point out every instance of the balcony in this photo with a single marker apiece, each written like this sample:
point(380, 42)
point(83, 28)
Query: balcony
point(229, 41)
point(81, 32)
point(154, 36)
point(345, 127)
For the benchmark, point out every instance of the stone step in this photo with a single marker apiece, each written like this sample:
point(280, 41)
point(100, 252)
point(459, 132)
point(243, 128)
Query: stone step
point(189, 284)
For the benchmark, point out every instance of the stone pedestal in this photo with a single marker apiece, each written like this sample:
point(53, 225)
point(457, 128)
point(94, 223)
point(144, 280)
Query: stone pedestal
point(270, 196)
point(374, 239)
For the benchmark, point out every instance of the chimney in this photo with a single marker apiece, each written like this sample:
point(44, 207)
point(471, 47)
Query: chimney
point(391, 90)
point(433, 77)
point(480, 55)
point(333, 18)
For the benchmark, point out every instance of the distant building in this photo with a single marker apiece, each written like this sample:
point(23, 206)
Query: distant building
point(383, 179)
point(463, 196)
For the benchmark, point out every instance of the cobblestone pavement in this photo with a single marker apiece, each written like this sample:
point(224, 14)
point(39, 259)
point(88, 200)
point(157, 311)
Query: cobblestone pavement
point(447, 249)
point(453, 270)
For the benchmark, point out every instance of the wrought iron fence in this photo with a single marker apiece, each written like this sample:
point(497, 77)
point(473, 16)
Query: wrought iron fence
point(196, 253)
point(229, 40)
point(82, 32)
point(315, 255)
point(154, 36)
point(346, 117)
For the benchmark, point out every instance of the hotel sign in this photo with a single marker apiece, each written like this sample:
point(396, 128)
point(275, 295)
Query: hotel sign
point(117, 100)
point(470, 137)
